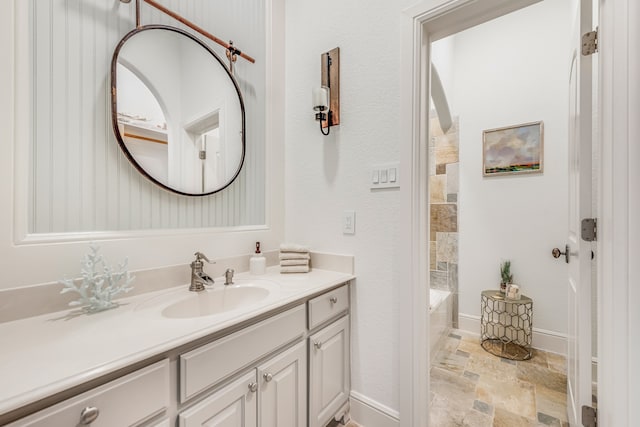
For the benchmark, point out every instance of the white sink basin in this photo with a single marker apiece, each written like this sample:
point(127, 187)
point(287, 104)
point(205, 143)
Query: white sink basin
point(218, 300)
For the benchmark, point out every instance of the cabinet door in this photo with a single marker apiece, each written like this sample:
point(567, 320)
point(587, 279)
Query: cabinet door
point(283, 389)
point(235, 405)
point(329, 374)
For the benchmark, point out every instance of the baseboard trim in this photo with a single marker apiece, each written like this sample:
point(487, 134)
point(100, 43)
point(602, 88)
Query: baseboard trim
point(554, 342)
point(369, 413)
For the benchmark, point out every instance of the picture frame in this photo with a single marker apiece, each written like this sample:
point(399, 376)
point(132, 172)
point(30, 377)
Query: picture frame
point(511, 150)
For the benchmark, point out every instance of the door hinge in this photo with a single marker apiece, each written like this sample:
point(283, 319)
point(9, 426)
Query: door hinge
point(589, 416)
point(590, 43)
point(589, 229)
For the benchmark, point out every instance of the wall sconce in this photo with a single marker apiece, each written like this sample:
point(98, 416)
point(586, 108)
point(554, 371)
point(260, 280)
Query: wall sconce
point(327, 96)
point(320, 103)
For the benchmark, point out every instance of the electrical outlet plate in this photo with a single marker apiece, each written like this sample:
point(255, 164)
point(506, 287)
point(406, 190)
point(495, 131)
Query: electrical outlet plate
point(349, 222)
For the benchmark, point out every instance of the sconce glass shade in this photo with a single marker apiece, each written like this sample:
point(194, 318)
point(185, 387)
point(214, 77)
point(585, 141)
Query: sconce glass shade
point(320, 98)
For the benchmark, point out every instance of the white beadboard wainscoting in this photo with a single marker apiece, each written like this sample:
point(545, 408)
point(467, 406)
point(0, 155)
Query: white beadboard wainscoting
point(79, 179)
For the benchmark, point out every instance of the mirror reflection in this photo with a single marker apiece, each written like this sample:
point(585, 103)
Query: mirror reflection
point(177, 112)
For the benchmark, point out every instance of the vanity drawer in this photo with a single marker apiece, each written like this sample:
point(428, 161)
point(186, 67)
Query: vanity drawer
point(205, 366)
point(327, 306)
point(126, 401)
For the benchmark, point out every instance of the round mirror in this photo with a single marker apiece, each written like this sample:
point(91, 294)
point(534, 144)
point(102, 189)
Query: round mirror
point(177, 112)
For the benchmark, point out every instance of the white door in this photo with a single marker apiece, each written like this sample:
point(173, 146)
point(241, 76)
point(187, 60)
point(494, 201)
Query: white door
point(579, 280)
point(283, 389)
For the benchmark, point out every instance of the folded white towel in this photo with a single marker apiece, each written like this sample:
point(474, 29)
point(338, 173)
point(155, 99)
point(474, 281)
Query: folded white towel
point(294, 255)
point(295, 269)
point(289, 262)
point(292, 247)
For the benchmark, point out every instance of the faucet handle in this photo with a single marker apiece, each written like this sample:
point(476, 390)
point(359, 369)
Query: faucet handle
point(228, 276)
point(200, 256)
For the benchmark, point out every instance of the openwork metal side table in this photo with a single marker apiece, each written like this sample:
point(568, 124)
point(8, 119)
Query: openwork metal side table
point(506, 325)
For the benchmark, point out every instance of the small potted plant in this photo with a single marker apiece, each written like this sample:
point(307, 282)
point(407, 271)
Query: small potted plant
point(507, 277)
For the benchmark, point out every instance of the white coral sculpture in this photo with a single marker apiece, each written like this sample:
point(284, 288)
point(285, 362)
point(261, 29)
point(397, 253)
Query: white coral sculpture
point(99, 285)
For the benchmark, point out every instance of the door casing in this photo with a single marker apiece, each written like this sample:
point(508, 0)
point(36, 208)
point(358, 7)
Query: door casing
point(618, 100)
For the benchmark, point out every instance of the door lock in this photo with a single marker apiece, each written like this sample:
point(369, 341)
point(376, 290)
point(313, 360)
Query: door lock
point(556, 253)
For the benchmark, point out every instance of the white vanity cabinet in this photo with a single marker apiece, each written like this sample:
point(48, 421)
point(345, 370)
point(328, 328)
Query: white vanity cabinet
point(126, 401)
point(208, 365)
point(286, 368)
point(282, 391)
point(329, 357)
point(277, 387)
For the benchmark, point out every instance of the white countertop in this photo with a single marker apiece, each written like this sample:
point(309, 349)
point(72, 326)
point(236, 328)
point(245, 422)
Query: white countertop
point(44, 355)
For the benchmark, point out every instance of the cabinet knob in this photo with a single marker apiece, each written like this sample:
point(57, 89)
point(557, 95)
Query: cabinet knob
point(333, 300)
point(89, 415)
point(253, 387)
point(317, 345)
point(267, 376)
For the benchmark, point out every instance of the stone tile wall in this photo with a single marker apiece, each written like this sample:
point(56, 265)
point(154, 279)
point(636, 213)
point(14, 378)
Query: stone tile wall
point(443, 208)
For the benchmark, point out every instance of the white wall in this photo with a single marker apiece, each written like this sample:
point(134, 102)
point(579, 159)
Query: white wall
point(146, 55)
point(442, 57)
point(135, 96)
point(326, 175)
point(510, 71)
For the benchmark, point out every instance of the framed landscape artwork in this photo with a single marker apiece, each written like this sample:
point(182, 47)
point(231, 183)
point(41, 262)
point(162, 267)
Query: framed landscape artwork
point(513, 150)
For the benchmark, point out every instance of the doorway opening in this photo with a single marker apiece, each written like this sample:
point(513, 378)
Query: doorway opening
point(502, 73)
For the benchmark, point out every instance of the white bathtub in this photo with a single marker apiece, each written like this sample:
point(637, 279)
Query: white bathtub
point(440, 308)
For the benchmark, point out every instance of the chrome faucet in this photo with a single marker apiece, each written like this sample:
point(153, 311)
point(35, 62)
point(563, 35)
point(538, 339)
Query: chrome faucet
point(228, 276)
point(199, 279)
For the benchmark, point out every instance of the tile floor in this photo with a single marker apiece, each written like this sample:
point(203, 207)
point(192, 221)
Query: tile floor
point(470, 387)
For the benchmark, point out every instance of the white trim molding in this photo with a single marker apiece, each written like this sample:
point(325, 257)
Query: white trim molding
point(413, 295)
point(552, 341)
point(618, 244)
point(419, 24)
point(73, 177)
point(369, 413)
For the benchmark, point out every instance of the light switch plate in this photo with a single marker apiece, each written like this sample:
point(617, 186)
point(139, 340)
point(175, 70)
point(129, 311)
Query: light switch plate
point(385, 175)
point(349, 222)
